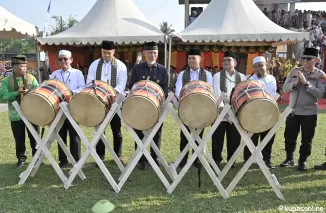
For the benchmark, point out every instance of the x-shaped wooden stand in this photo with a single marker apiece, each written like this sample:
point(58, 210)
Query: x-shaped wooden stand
point(144, 143)
point(256, 155)
point(43, 146)
point(199, 150)
point(90, 146)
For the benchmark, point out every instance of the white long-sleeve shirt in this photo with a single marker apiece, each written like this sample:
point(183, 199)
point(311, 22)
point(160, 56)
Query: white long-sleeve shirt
point(122, 75)
point(194, 75)
point(268, 81)
point(230, 83)
point(73, 78)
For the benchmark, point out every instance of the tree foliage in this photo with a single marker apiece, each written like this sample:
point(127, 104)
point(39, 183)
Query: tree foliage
point(18, 46)
point(61, 25)
point(166, 29)
point(27, 45)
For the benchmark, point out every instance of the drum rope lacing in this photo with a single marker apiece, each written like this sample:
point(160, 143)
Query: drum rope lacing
point(188, 88)
point(147, 89)
point(246, 91)
point(108, 95)
point(56, 91)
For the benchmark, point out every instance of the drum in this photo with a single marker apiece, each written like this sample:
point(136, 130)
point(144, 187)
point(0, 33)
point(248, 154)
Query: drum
point(90, 106)
point(41, 105)
point(197, 105)
point(254, 106)
point(142, 107)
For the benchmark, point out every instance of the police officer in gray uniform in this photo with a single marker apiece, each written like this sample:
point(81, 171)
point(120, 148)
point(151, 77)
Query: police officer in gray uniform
point(306, 84)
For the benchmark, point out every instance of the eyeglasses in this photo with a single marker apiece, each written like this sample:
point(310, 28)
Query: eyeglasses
point(63, 59)
point(306, 58)
point(226, 60)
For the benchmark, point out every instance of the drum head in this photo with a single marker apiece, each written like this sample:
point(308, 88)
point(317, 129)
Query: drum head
point(140, 113)
point(37, 109)
point(87, 109)
point(197, 111)
point(258, 115)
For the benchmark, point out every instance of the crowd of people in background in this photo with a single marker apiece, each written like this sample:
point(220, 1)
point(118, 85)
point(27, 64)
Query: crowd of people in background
point(298, 19)
point(313, 22)
point(279, 67)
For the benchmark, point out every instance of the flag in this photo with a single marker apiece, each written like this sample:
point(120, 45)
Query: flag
point(47, 20)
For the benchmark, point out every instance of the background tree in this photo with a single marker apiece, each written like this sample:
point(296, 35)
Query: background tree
point(166, 29)
point(27, 45)
point(61, 25)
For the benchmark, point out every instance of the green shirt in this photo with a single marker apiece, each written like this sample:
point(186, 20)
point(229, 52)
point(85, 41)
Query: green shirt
point(12, 96)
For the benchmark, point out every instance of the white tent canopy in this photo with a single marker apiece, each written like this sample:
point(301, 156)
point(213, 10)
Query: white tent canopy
point(13, 27)
point(236, 21)
point(116, 20)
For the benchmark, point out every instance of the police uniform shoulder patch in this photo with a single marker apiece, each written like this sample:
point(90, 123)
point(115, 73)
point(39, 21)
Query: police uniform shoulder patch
point(323, 78)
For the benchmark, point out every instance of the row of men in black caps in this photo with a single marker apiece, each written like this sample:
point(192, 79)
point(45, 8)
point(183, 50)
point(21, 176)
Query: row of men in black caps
point(306, 85)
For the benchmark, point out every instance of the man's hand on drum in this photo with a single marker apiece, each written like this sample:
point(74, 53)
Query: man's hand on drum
point(22, 91)
point(302, 78)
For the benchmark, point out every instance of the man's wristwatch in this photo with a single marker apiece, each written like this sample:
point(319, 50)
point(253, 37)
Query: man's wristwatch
point(307, 84)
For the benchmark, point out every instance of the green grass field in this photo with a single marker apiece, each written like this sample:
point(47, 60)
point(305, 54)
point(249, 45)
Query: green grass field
point(144, 192)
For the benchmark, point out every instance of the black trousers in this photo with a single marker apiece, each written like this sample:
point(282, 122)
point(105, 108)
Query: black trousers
point(74, 141)
point(156, 139)
point(267, 151)
point(117, 138)
point(307, 123)
point(184, 142)
point(18, 130)
point(233, 140)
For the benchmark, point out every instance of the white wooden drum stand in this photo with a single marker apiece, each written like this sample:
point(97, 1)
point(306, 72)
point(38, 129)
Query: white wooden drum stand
point(43, 146)
point(256, 155)
point(199, 150)
point(90, 146)
point(143, 144)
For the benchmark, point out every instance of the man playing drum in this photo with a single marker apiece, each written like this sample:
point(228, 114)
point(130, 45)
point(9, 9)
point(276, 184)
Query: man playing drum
point(111, 70)
point(13, 88)
point(269, 83)
point(306, 84)
point(74, 80)
point(225, 81)
point(157, 73)
point(192, 73)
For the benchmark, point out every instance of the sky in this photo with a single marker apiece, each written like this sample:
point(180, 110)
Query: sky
point(156, 11)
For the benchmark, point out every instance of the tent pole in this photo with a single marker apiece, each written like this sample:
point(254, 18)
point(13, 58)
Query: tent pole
point(169, 59)
point(38, 61)
point(165, 50)
point(186, 13)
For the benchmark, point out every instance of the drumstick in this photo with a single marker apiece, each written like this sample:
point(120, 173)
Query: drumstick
point(94, 86)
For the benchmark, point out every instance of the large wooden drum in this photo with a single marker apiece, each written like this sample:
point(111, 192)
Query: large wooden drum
point(41, 105)
point(141, 109)
point(197, 105)
point(90, 106)
point(254, 106)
